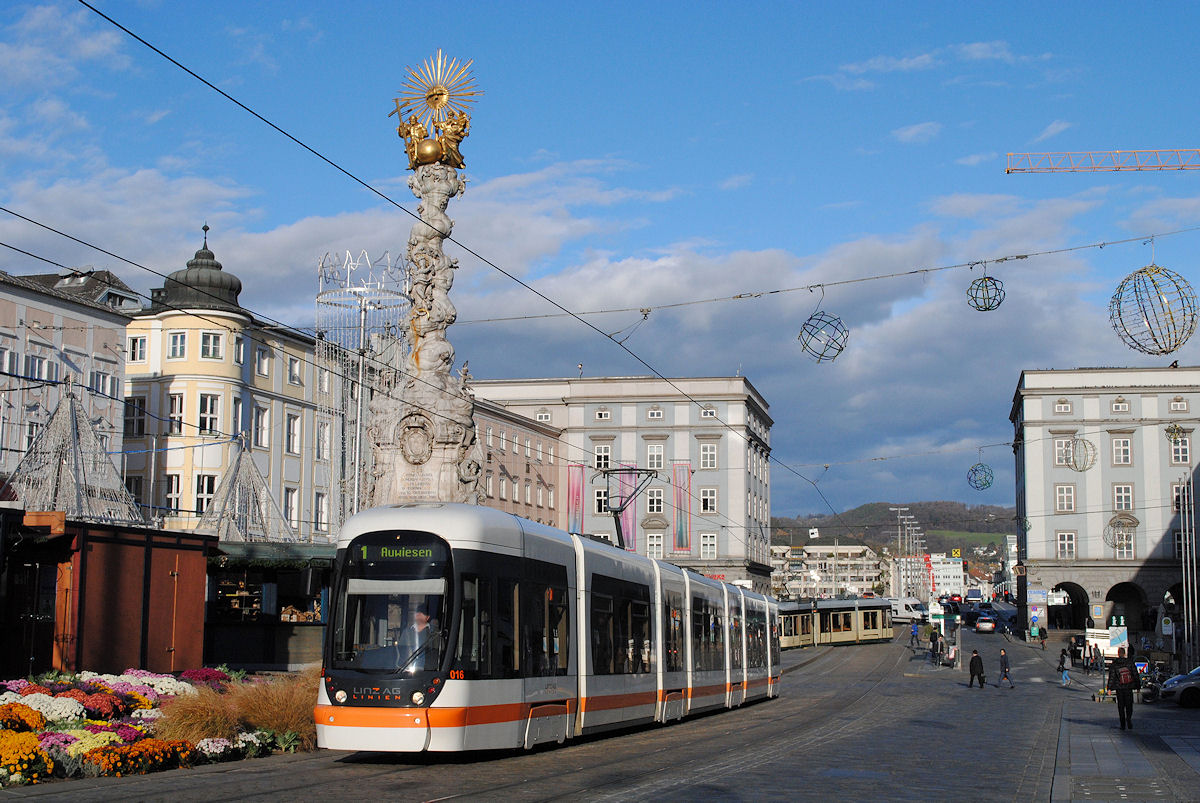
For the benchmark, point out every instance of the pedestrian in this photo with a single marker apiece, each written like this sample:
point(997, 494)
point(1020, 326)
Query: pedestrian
point(933, 645)
point(915, 639)
point(1123, 679)
point(1004, 667)
point(976, 668)
point(1063, 658)
point(1097, 659)
point(1042, 637)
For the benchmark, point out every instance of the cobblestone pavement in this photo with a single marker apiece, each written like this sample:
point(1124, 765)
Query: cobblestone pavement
point(873, 722)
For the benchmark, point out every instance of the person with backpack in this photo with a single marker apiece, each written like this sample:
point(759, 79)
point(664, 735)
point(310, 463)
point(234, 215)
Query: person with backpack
point(1063, 658)
point(1123, 679)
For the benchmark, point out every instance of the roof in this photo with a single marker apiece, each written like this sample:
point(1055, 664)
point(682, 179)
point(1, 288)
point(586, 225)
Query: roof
point(82, 293)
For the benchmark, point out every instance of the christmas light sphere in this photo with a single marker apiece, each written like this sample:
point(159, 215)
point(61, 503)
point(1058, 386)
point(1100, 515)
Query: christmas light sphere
point(1119, 531)
point(823, 336)
point(1083, 454)
point(1174, 433)
point(985, 294)
point(1153, 310)
point(979, 476)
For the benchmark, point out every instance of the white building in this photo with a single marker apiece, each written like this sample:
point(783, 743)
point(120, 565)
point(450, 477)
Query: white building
point(1102, 455)
point(707, 439)
point(830, 570)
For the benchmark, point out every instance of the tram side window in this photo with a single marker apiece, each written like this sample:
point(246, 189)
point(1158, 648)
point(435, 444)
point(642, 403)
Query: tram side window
point(475, 634)
point(826, 622)
point(621, 627)
point(870, 620)
point(789, 626)
point(775, 646)
point(507, 663)
point(672, 631)
point(544, 630)
point(708, 635)
point(806, 624)
point(756, 639)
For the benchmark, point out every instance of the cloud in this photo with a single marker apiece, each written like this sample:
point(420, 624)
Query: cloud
point(736, 182)
point(968, 205)
point(47, 45)
point(1055, 128)
point(843, 83)
point(985, 51)
point(976, 159)
point(883, 64)
point(917, 134)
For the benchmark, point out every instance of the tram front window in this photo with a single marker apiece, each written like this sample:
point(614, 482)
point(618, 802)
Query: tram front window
point(392, 607)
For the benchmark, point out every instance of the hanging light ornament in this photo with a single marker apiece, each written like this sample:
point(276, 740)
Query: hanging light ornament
point(1083, 454)
point(1174, 433)
point(985, 293)
point(1119, 531)
point(1153, 310)
point(979, 476)
point(823, 336)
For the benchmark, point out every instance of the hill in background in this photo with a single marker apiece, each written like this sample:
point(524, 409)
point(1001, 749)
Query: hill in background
point(944, 525)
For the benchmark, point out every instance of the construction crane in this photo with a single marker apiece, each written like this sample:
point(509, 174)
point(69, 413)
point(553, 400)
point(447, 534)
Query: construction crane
point(1103, 161)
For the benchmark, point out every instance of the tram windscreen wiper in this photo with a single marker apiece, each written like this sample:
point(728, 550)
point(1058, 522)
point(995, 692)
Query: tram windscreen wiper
point(439, 637)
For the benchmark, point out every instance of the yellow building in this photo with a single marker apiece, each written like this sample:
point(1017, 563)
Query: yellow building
point(202, 374)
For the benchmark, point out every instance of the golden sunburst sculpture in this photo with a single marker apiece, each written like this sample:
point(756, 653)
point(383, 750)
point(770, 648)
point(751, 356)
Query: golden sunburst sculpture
point(432, 110)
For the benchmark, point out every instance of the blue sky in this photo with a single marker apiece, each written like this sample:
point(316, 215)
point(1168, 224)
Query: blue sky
point(626, 155)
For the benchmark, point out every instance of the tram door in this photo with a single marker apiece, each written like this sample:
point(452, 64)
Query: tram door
point(737, 650)
point(544, 626)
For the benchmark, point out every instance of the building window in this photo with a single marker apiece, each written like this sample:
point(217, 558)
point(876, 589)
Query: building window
point(550, 453)
point(320, 512)
point(1064, 450)
point(708, 546)
point(654, 500)
point(550, 498)
point(235, 416)
point(137, 349)
point(1179, 497)
point(206, 487)
point(654, 546)
point(294, 376)
point(600, 502)
point(1064, 498)
point(708, 412)
point(262, 362)
point(540, 494)
point(528, 492)
point(172, 493)
point(103, 383)
point(135, 417)
point(262, 427)
point(603, 414)
point(1181, 451)
point(210, 345)
point(503, 441)
point(708, 500)
point(488, 485)
point(528, 448)
point(1122, 497)
point(1122, 451)
point(239, 349)
point(1179, 405)
point(543, 416)
point(1066, 546)
point(323, 440)
point(1120, 405)
point(654, 414)
point(176, 345)
point(1123, 544)
point(603, 455)
point(1178, 544)
point(503, 487)
point(654, 456)
point(708, 456)
point(488, 438)
point(40, 368)
point(1062, 406)
point(291, 438)
point(291, 510)
point(175, 414)
point(32, 430)
point(210, 409)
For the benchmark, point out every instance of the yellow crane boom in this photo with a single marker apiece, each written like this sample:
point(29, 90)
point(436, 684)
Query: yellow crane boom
point(1103, 161)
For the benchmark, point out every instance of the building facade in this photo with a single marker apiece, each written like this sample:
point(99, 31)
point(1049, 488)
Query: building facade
point(707, 441)
point(205, 380)
point(1103, 456)
point(54, 328)
point(831, 570)
point(523, 469)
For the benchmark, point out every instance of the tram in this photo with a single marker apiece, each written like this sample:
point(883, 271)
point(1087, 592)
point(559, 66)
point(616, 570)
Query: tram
point(458, 627)
point(807, 623)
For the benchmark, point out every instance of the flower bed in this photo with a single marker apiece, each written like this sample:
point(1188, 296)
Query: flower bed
point(91, 725)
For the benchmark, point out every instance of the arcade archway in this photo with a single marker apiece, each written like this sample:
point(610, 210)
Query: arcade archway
point(1127, 606)
point(1073, 615)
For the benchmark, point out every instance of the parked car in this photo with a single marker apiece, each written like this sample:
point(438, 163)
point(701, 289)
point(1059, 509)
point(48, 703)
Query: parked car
point(985, 624)
point(1184, 689)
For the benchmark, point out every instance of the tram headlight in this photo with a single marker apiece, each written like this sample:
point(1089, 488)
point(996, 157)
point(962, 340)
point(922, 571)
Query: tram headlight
point(418, 697)
point(340, 696)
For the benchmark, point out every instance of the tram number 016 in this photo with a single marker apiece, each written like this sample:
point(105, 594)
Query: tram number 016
point(458, 674)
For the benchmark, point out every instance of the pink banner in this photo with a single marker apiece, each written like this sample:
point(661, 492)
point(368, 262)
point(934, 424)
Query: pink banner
point(575, 498)
point(626, 482)
point(681, 482)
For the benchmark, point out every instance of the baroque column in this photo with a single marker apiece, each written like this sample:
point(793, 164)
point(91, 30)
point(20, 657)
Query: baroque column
point(421, 418)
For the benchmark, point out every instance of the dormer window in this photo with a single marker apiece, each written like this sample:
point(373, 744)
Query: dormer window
point(603, 414)
point(1062, 406)
point(708, 412)
point(1120, 405)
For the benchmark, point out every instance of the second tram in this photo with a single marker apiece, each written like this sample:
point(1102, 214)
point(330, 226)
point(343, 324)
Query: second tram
point(807, 623)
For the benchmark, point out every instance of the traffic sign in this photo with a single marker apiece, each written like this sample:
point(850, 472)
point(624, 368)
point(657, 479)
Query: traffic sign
point(957, 553)
point(1033, 619)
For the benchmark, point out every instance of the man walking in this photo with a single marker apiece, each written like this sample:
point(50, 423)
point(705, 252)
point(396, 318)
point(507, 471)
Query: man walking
point(1004, 667)
point(914, 640)
point(933, 646)
point(976, 669)
point(1123, 679)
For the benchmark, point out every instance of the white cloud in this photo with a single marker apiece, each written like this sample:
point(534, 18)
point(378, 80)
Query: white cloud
point(1055, 128)
point(985, 51)
point(976, 159)
point(843, 82)
point(918, 133)
point(923, 61)
point(46, 47)
point(974, 205)
point(736, 182)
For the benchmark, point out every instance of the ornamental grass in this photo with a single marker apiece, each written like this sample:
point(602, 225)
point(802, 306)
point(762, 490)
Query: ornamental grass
point(203, 715)
point(280, 705)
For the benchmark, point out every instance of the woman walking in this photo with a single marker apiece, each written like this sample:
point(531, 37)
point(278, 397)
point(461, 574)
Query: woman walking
point(1063, 660)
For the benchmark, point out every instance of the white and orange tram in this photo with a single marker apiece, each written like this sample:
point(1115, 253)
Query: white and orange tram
point(459, 627)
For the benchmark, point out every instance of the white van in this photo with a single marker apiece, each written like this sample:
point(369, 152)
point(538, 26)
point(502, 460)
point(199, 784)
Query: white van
point(908, 609)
